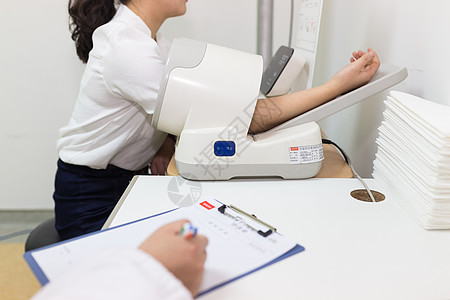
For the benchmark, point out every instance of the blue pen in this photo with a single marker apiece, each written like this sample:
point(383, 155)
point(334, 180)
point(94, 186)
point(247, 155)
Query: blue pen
point(188, 231)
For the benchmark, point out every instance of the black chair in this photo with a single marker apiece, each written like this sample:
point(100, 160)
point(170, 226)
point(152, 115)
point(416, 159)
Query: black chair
point(43, 235)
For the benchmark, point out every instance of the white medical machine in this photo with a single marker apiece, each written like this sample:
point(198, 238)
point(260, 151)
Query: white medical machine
point(207, 98)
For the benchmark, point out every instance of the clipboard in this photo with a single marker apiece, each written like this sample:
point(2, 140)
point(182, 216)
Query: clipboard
point(235, 247)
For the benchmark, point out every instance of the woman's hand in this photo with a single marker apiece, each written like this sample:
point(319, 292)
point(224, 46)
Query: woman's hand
point(362, 67)
point(161, 161)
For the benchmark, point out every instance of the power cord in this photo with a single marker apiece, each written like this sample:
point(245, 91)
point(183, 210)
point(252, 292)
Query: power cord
point(348, 161)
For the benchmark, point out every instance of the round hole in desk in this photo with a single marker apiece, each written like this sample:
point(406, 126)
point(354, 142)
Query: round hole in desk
point(363, 195)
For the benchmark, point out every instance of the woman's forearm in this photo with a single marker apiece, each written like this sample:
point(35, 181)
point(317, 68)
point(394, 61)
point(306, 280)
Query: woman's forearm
point(270, 112)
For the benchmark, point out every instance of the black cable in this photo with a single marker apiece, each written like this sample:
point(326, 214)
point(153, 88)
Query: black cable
point(329, 142)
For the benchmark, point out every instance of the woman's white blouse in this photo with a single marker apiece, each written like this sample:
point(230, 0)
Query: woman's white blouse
point(111, 121)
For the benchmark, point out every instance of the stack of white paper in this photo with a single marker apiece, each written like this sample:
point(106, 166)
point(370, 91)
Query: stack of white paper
point(413, 159)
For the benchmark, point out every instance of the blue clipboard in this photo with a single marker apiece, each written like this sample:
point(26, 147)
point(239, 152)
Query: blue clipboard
point(44, 262)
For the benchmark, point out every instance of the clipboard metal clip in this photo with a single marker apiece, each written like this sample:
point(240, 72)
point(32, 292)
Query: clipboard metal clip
point(249, 220)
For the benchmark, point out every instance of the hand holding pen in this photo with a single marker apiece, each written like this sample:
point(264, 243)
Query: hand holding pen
point(188, 231)
point(179, 248)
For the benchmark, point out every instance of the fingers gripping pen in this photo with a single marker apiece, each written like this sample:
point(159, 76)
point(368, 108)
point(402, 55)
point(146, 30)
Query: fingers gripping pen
point(188, 231)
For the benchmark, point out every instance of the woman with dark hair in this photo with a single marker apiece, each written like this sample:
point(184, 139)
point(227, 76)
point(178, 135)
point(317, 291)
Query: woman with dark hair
point(109, 138)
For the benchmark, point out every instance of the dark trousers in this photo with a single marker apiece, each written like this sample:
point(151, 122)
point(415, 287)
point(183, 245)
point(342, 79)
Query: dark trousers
point(84, 197)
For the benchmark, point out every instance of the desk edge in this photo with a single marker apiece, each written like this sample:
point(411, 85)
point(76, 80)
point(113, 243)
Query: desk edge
point(119, 203)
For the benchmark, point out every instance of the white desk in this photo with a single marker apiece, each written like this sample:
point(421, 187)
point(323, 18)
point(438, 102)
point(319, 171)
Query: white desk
point(354, 250)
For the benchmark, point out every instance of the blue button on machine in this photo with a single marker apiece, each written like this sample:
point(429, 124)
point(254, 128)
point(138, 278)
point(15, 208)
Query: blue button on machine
point(224, 148)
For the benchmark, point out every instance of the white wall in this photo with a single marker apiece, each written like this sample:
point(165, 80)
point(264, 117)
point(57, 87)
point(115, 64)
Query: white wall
point(407, 33)
point(40, 73)
point(39, 78)
point(230, 23)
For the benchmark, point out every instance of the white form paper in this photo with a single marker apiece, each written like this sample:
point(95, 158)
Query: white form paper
point(234, 249)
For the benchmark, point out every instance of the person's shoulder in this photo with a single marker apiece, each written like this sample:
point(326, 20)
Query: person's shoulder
point(130, 56)
point(120, 32)
point(126, 43)
point(126, 32)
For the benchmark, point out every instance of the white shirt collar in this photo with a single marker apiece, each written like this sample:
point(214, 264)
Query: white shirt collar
point(127, 15)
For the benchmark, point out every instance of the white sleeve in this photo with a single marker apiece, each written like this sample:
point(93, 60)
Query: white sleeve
point(116, 274)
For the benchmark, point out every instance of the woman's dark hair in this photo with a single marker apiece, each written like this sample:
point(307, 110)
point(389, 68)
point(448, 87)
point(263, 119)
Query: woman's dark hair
point(85, 17)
